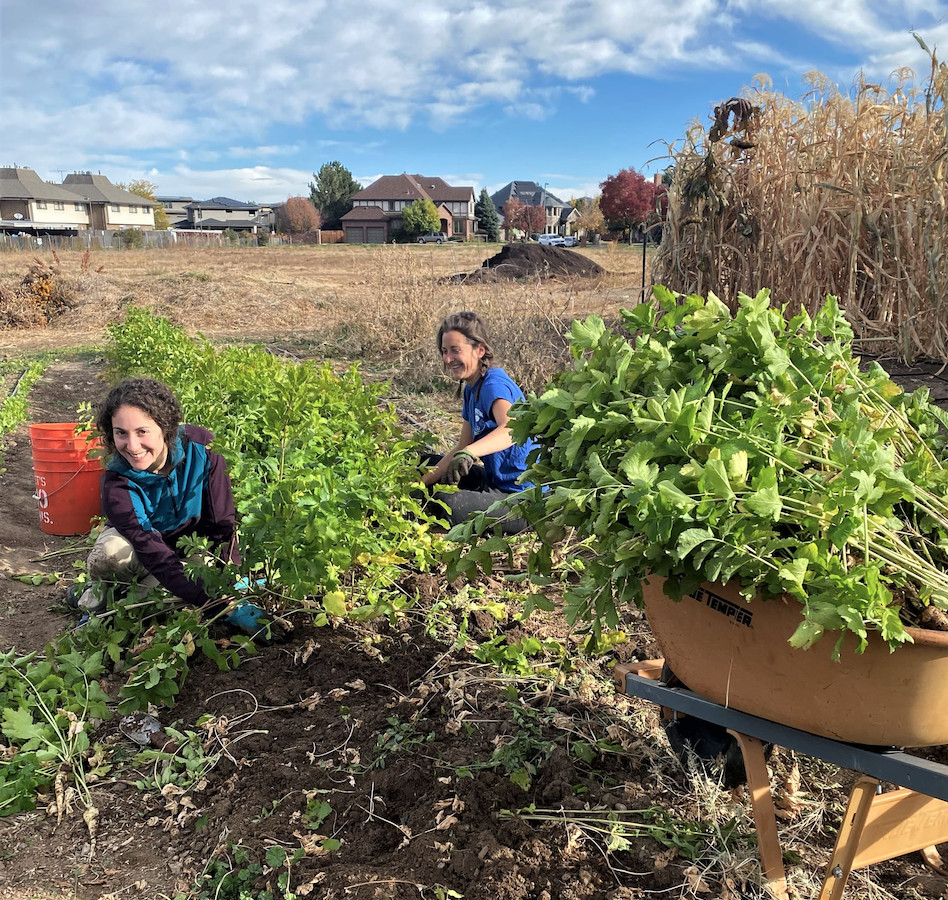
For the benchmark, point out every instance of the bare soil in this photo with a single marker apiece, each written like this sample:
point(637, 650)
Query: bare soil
point(407, 737)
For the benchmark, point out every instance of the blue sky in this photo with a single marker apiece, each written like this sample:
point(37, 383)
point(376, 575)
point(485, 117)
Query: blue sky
point(247, 99)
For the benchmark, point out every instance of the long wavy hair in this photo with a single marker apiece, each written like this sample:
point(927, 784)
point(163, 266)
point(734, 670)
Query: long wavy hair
point(153, 398)
point(472, 326)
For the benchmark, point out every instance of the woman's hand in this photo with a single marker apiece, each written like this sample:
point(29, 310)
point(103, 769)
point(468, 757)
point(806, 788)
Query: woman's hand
point(461, 463)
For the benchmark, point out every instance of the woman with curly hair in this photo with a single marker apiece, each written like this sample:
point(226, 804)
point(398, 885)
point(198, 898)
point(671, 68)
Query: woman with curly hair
point(161, 483)
point(485, 463)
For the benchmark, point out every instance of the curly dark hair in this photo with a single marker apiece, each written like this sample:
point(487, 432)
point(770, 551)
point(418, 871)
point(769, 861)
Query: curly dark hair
point(472, 326)
point(153, 398)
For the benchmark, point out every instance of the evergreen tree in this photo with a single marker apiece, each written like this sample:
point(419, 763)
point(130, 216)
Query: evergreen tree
point(487, 218)
point(332, 192)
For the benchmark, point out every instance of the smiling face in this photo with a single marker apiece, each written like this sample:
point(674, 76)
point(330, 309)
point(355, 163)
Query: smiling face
point(461, 358)
point(138, 439)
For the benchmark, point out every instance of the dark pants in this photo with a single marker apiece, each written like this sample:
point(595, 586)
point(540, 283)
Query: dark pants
point(475, 494)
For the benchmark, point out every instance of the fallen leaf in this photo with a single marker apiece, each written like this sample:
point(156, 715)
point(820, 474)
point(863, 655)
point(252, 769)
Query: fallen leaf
point(696, 880)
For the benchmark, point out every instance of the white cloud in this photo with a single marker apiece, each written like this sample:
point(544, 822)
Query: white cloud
point(187, 82)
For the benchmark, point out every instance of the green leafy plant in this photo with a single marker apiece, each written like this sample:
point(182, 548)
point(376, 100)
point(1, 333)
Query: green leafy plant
point(13, 409)
point(47, 703)
point(698, 446)
point(618, 830)
point(399, 737)
point(520, 657)
point(324, 480)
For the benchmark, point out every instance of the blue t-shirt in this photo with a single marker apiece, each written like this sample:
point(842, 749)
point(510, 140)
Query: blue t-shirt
point(505, 466)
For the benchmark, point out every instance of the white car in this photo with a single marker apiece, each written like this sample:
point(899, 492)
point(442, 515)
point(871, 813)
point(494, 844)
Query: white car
point(435, 237)
point(570, 241)
point(551, 240)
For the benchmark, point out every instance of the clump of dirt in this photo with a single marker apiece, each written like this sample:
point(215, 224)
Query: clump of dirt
point(517, 261)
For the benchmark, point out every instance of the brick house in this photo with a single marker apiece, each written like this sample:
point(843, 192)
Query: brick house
point(377, 210)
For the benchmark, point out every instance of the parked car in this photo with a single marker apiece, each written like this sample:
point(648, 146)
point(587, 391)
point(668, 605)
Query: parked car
point(435, 237)
point(570, 240)
point(551, 240)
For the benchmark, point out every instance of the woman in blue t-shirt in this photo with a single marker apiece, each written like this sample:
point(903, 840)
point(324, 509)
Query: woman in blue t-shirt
point(488, 395)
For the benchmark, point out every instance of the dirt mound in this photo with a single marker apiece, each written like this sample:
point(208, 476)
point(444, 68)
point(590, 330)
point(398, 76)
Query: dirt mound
point(533, 261)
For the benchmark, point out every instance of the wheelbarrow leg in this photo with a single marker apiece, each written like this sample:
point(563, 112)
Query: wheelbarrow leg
point(765, 820)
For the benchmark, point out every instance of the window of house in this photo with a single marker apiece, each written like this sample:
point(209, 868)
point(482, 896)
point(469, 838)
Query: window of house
point(79, 207)
point(41, 204)
point(459, 226)
point(132, 209)
point(58, 204)
point(116, 207)
point(168, 204)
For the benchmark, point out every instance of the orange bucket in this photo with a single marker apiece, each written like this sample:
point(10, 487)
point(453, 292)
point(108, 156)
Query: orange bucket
point(67, 481)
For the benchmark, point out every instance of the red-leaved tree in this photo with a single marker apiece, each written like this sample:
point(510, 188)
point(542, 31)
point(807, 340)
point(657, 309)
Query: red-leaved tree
point(298, 216)
point(534, 219)
point(518, 214)
point(513, 214)
point(627, 198)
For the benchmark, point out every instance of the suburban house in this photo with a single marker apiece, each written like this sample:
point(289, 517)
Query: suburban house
point(377, 210)
point(176, 209)
point(83, 201)
point(111, 207)
point(560, 216)
point(221, 213)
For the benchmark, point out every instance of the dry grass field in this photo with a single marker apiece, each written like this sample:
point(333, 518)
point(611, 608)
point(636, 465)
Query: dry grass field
point(378, 303)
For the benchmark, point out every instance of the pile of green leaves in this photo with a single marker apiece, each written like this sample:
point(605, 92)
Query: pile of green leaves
point(324, 479)
point(703, 446)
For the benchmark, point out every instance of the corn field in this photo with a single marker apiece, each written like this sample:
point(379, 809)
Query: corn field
point(840, 193)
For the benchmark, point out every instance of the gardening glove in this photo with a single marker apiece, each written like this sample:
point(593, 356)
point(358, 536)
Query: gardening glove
point(460, 465)
point(251, 620)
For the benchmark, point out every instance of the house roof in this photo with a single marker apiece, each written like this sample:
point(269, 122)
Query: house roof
point(528, 192)
point(98, 189)
point(368, 213)
point(25, 184)
point(414, 187)
point(223, 203)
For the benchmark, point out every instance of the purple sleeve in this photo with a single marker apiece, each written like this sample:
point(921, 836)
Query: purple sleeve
point(153, 553)
point(219, 515)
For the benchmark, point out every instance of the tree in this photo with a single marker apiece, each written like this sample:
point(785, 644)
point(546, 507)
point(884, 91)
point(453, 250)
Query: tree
point(627, 198)
point(332, 192)
point(420, 217)
point(487, 217)
point(590, 219)
point(297, 216)
point(513, 214)
point(519, 215)
point(147, 190)
point(533, 219)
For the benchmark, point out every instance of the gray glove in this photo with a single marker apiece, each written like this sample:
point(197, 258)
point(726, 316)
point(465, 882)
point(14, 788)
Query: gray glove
point(460, 465)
